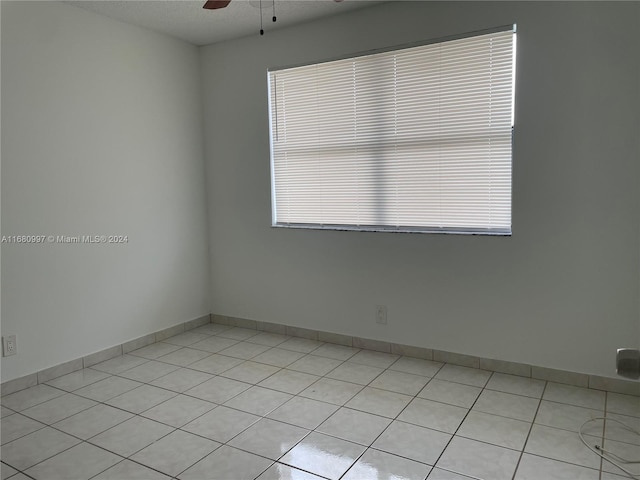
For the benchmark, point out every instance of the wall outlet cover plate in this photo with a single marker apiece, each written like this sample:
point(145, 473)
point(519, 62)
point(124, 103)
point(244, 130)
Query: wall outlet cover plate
point(9, 346)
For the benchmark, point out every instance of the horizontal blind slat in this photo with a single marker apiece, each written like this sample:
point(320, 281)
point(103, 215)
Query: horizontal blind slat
point(415, 138)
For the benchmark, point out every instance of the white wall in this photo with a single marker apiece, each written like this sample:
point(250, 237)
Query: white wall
point(562, 292)
point(101, 134)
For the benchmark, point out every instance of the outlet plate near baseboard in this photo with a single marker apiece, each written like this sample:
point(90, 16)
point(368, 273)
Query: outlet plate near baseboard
point(9, 346)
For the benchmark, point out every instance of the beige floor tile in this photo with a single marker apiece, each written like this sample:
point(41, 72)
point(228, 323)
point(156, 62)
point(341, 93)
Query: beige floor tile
point(250, 372)
point(36, 447)
point(332, 391)
point(30, 396)
point(303, 412)
point(379, 402)
point(59, 408)
point(500, 431)
point(416, 366)
point(6, 471)
point(279, 471)
point(289, 381)
point(337, 352)
point(315, 365)
point(532, 467)
point(479, 459)
point(82, 461)
point(301, 345)
point(465, 375)
point(382, 465)
point(562, 445)
point(149, 371)
point(176, 452)
point(269, 438)
point(214, 344)
point(119, 364)
point(75, 380)
point(623, 404)
point(92, 421)
point(355, 373)
point(216, 364)
point(528, 387)
point(131, 436)
point(184, 356)
point(128, 470)
point(354, 426)
point(374, 359)
point(140, 399)
point(578, 396)
point(278, 357)
point(411, 441)
point(179, 410)
point(218, 389)
point(185, 339)
point(507, 405)
point(568, 417)
point(258, 400)
point(238, 333)
point(450, 392)
point(16, 426)
point(400, 382)
point(108, 388)
point(323, 455)
point(244, 350)
point(221, 424)
point(181, 380)
point(155, 350)
point(226, 463)
point(268, 339)
point(435, 415)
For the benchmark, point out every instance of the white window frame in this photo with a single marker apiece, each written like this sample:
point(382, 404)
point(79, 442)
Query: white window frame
point(313, 146)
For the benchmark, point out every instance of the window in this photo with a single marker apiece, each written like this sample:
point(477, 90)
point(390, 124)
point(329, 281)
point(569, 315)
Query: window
point(416, 139)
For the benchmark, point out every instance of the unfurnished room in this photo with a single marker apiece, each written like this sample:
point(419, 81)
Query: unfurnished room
point(320, 240)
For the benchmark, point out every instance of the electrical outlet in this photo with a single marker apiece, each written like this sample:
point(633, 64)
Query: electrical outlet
point(381, 314)
point(9, 346)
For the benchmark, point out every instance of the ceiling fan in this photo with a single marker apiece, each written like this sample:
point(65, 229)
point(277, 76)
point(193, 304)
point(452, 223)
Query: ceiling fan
point(215, 4)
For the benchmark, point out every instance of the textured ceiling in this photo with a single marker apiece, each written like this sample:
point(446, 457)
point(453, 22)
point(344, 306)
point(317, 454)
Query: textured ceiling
point(187, 20)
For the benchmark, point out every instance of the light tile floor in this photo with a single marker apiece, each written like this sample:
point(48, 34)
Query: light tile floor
point(228, 403)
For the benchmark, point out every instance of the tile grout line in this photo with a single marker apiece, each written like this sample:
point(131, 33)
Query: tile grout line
point(604, 430)
point(315, 429)
point(177, 393)
point(257, 384)
point(391, 423)
point(185, 392)
point(444, 403)
point(134, 415)
point(56, 454)
point(265, 416)
point(17, 472)
point(97, 403)
point(367, 447)
point(225, 326)
point(453, 435)
point(118, 374)
point(533, 420)
point(124, 460)
point(175, 429)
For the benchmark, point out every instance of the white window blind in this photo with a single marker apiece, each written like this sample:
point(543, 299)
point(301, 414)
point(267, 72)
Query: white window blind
point(415, 139)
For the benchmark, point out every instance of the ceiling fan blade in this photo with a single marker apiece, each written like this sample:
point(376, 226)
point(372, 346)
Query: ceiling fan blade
point(215, 4)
